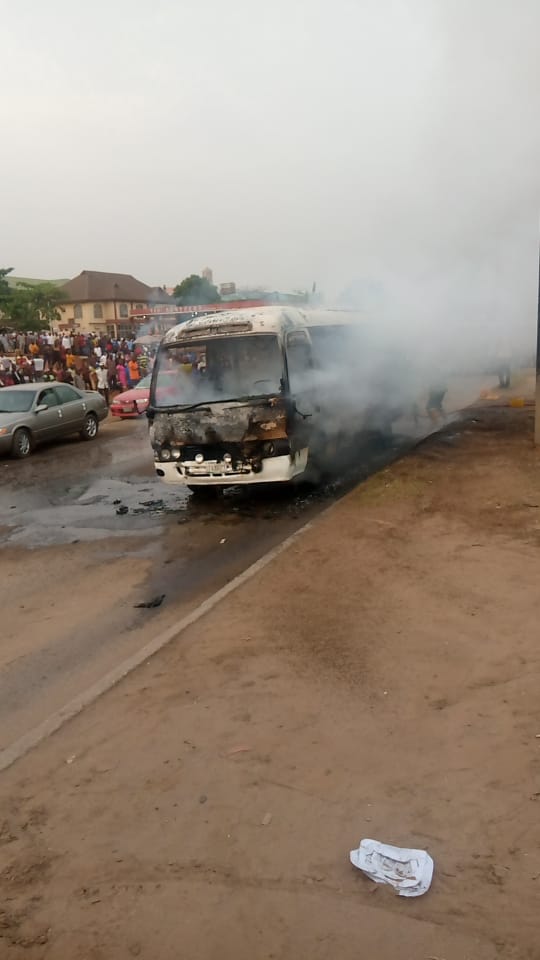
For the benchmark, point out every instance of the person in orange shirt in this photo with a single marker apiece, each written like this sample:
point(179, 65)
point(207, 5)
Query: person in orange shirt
point(133, 372)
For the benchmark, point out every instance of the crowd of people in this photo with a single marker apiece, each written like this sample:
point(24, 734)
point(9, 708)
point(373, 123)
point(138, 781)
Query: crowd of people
point(87, 361)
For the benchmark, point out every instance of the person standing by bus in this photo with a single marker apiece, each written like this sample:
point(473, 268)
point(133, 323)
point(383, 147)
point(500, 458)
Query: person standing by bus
point(78, 379)
point(122, 374)
point(437, 390)
point(434, 405)
point(103, 380)
point(92, 377)
point(111, 370)
point(503, 365)
point(134, 374)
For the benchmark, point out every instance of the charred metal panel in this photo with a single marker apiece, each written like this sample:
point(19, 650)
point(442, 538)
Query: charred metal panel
point(222, 423)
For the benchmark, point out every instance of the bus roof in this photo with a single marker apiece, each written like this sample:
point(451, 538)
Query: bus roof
point(270, 319)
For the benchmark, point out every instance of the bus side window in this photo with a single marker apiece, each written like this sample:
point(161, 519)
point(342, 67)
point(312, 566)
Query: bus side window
point(299, 359)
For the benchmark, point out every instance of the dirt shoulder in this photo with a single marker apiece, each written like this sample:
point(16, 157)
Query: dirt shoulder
point(380, 679)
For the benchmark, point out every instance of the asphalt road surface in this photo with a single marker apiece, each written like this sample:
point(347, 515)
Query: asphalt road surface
point(72, 569)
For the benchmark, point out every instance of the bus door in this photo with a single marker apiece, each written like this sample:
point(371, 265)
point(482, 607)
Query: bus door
point(301, 373)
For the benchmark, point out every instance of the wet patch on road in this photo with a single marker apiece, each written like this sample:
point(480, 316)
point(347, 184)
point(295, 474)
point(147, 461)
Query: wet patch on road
point(58, 513)
point(65, 510)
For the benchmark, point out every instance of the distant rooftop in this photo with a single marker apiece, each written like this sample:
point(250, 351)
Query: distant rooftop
point(94, 285)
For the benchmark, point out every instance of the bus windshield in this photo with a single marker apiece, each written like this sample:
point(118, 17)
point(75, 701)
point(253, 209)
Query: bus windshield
point(219, 369)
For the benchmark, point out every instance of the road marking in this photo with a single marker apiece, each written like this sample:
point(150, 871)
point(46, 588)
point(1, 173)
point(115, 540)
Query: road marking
point(34, 737)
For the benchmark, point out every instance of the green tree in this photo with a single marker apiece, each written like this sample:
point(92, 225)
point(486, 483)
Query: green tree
point(194, 290)
point(33, 306)
point(5, 289)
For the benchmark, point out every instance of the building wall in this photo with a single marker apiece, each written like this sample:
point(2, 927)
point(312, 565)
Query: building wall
point(88, 324)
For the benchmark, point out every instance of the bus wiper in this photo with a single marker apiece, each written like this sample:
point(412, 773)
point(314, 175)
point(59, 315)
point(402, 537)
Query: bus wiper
point(185, 408)
point(180, 408)
point(207, 403)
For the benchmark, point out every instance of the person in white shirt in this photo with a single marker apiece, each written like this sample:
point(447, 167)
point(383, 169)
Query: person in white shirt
point(103, 380)
point(66, 342)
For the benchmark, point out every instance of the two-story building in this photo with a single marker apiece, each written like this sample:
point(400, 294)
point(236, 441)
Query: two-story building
point(102, 303)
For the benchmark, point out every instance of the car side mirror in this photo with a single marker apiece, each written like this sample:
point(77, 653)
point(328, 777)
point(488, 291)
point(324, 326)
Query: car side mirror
point(41, 407)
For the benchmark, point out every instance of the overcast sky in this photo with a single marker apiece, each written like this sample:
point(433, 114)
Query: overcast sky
point(349, 142)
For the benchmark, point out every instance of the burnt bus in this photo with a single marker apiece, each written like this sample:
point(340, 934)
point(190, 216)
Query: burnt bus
point(259, 395)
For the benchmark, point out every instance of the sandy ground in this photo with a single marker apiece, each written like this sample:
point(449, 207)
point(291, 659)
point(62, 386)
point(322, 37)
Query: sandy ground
point(72, 569)
point(380, 679)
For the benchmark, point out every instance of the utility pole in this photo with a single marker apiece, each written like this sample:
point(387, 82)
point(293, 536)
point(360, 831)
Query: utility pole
point(537, 404)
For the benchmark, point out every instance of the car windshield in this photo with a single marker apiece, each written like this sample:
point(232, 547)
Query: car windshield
point(144, 384)
point(16, 401)
point(219, 369)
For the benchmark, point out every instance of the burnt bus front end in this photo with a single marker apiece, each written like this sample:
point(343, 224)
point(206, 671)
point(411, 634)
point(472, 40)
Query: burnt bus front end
point(227, 443)
point(220, 412)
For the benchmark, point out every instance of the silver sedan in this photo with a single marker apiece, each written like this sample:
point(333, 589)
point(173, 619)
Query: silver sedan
point(33, 413)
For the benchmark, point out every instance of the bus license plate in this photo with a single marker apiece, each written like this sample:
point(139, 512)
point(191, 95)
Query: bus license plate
point(203, 469)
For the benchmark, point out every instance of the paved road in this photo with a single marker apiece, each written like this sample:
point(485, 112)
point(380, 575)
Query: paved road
point(72, 568)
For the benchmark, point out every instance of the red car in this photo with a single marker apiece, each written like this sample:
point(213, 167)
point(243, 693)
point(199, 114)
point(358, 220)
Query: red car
point(132, 403)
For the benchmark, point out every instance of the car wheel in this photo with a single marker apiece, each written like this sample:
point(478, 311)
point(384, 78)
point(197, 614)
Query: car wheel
point(90, 427)
point(22, 444)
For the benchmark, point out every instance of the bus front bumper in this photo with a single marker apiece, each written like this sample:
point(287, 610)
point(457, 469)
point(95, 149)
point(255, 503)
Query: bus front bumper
point(213, 473)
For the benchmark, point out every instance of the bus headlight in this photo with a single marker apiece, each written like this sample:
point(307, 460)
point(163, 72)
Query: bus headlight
point(165, 454)
point(227, 458)
point(176, 453)
point(199, 458)
point(268, 449)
